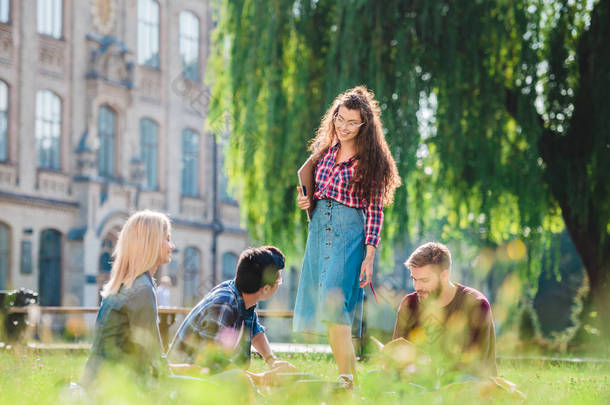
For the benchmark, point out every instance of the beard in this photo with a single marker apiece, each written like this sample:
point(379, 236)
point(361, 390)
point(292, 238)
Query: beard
point(424, 295)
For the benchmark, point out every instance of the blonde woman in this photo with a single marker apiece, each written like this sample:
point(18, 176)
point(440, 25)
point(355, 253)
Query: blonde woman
point(126, 329)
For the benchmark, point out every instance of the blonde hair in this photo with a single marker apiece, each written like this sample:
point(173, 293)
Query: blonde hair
point(137, 249)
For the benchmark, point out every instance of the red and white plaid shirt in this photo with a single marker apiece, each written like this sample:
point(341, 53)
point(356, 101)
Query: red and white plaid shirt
point(332, 181)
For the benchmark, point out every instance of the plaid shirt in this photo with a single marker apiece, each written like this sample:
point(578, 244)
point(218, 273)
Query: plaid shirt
point(220, 318)
point(332, 181)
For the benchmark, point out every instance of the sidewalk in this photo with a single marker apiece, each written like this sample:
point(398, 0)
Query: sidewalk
point(304, 348)
point(276, 347)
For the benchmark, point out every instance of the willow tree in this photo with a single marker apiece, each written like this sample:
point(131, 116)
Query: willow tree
point(496, 112)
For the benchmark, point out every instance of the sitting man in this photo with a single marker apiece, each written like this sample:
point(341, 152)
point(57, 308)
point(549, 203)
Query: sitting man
point(450, 322)
point(216, 335)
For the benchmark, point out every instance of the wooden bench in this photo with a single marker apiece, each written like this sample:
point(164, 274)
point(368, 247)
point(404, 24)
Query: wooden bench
point(167, 315)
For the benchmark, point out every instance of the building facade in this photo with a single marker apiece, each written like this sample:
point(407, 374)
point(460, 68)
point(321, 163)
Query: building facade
point(102, 110)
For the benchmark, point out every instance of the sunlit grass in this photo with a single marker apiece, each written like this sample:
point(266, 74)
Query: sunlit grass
point(30, 378)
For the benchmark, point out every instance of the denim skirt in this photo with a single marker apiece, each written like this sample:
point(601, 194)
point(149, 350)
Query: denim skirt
point(329, 290)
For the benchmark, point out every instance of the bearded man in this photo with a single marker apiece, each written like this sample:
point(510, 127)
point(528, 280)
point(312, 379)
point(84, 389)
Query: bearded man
point(450, 322)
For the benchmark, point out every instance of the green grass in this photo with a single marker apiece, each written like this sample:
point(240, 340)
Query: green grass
point(30, 378)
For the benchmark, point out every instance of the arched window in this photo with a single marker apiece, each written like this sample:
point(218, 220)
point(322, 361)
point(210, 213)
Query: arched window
point(49, 267)
point(190, 163)
point(192, 266)
point(50, 17)
point(48, 129)
point(3, 122)
point(106, 129)
point(148, 33)
point(5, 11)
point(189, 45)
point(149, 148)
point(5, 254)
point(229, 264)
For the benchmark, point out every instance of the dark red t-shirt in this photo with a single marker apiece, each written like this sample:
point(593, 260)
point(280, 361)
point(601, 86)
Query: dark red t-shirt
point(462, 332)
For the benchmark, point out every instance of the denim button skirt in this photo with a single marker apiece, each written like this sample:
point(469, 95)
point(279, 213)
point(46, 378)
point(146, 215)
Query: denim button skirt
point(329, 290)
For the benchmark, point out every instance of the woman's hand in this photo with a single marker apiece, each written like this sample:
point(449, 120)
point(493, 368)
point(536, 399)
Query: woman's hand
point(366, 269)
point(366, 272)
point(302, 200)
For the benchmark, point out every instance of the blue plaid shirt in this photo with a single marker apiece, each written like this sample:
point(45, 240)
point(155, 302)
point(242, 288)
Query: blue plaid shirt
point(219, 320)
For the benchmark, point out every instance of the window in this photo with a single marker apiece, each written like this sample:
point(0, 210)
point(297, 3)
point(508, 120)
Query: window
point(106, 132)
point(149, 149)
point(50, 17)
point(148, 33)
point(3, 122)
point(105, 264)
point(5, 254)
point(192, 260)
point(190, 163)
point(26, 257)
point(229, 264)
point(48, 129)
point(49, 260)
point(105, 261)
point(189, 45)
point(5, 11)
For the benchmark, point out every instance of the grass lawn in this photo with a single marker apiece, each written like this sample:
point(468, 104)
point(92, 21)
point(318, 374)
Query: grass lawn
point(30, 378)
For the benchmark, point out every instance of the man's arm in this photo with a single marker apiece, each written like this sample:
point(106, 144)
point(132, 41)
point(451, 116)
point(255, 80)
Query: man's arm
point(261, 344)
point(483, 339)
point(489, 353)
point(401, 326)
point(204, 339)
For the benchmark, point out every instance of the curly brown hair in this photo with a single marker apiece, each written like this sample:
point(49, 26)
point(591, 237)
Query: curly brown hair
point(376, 169)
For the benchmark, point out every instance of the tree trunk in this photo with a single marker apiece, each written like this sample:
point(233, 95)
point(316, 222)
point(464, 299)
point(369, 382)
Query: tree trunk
point(595, 256)
point(601, 299)
point(569, 157)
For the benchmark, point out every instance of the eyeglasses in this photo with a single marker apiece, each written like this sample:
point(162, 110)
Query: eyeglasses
point(279, 281)
point(350, 125)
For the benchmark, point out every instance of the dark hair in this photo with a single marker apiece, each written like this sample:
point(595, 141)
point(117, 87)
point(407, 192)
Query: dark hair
point(376, 170)
point(433, 253)
point(258, 267)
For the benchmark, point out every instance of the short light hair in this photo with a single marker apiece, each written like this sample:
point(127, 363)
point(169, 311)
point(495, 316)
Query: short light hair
point(431, 253)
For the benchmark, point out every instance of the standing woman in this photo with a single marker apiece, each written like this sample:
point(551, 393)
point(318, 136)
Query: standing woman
point(126, 328)
point(355, 176)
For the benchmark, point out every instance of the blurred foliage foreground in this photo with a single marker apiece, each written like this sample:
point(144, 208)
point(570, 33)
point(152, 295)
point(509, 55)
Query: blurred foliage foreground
point(31, 378)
